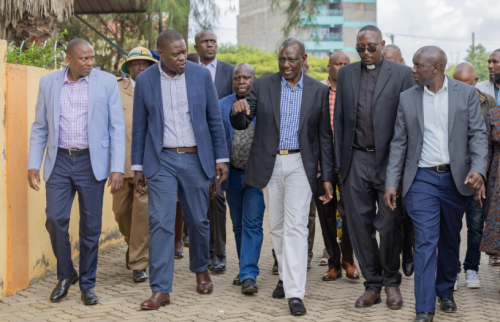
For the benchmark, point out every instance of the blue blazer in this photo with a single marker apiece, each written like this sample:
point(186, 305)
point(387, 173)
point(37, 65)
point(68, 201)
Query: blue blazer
point(148, 119)
point(106, 125)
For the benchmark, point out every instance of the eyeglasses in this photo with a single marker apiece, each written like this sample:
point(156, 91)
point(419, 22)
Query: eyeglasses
point(371, 49)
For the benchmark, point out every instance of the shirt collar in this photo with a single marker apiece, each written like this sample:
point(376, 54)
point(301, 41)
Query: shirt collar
point(329, 85)
point(377, 65)
point(66, 80)
point(213, 63)
point(443, 89)
point(162, 73)
point(300, 84)
point(132, 82)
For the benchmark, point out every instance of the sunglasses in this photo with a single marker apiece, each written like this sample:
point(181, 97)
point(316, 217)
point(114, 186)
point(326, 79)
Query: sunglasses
point(371, 49)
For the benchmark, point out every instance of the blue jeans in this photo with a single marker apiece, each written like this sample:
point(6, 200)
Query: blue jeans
point(475, 217)
point(246, 207)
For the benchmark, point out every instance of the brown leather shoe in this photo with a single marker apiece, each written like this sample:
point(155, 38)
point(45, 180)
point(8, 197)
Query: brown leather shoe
point(394, 298)
point(332, 274)
point(494, 260)
point(368, 299)
point(155, 301)
point(204, 283)
point(351, 271)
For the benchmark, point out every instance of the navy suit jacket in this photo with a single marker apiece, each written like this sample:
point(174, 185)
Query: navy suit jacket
point(224, 79)
point(148, 120)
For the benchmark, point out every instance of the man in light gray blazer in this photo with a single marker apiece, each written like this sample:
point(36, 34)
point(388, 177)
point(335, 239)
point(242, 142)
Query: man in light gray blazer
point(79, 126)
point(440, 141)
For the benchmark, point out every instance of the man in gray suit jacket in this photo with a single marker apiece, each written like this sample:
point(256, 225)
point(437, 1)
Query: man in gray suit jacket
point(440, 141)
point(492, 85)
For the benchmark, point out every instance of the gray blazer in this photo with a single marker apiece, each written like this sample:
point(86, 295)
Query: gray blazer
point(224, 79)
point(468, 143)
point(315, 132)
point(487, 87)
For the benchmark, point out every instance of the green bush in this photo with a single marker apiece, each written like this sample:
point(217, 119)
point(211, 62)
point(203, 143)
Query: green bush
point(48, 55)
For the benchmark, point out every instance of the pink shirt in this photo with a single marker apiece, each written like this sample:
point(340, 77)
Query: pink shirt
point(74, 108)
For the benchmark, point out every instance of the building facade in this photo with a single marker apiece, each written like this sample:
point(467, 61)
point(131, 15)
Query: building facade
point(334, 28)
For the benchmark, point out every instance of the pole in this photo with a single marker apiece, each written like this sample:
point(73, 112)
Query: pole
point(392, 39)
point(100, 34)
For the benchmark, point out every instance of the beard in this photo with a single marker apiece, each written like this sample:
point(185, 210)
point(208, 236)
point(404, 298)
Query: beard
point(495, 78)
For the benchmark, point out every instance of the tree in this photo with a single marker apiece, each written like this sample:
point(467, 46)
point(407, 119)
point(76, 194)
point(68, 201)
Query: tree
point(478, 57)
point(299, 12)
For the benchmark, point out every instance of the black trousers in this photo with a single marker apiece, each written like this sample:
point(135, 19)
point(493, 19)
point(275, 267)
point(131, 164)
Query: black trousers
point(364, 190)
point(217, 216)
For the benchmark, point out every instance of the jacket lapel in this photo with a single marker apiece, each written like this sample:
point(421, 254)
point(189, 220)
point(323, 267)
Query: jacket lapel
point(93, 84)
point(275, 91)
point(219, 75)
point(155, 79)
point(307, 98)
point(452, 103)
point(419, 106)
point(56, 96)
point(356, 78)
point(383, 77)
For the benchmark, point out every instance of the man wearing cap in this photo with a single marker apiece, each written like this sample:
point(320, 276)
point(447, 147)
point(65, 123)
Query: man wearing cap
point(131, 207)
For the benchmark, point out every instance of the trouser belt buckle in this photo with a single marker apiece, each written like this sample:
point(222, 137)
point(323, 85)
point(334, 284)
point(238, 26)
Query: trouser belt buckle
point(283, 152)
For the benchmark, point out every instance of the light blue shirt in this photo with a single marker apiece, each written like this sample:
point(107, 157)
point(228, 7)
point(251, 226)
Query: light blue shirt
point(435, 146)
point(212, 67)
point(290, 102)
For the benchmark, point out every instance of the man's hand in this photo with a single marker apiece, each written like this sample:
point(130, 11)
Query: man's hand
point(390, 197)
point(211, 190)
point(221, 172)
point(139, 182)
point(34, 179)
point(475, 180)
point(241, 106)
point(328, 193)
point(480, 195)
point(115, 181)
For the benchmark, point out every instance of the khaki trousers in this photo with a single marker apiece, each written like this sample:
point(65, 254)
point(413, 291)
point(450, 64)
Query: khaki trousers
point(131, 214)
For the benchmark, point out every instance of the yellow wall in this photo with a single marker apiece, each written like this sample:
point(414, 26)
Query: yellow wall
point(26, 254)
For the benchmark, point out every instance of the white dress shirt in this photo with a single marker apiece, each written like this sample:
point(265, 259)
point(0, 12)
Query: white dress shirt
point(435, 146)
point(212, 67)
point(132, 82)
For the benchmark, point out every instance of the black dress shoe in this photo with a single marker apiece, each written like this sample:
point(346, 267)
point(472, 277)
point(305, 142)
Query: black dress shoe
point(408, 262)
point(249, 287)
point(424, 317)
point(127, 258)
point(89, 297)
point(279, 291)
point(236, 280)
point(61, 289)
point(219, 264)
point(139, 275)
point(296, 306)
point(447, 305)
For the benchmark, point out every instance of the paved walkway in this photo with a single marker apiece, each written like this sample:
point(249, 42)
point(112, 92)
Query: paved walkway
point(120, 297)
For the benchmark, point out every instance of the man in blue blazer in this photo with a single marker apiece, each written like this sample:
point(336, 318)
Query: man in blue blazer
point(79, 126)
point(178, 143)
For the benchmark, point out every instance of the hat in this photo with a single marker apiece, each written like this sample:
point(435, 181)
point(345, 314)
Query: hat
point(138, 53)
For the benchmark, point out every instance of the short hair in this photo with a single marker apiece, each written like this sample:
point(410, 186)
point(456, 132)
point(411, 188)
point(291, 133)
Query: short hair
point(75, 43)
point(371, 28)
point(167, 37)
point(194, 57)
point(247, 65)
point(496, 51)
point(294, 42)
point(198, 35)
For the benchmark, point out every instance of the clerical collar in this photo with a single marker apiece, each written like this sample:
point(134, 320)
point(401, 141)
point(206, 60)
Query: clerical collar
point(373, 66)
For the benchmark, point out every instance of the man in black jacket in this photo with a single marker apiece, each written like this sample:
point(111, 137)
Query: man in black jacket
point(292, 134)
point(365, 112)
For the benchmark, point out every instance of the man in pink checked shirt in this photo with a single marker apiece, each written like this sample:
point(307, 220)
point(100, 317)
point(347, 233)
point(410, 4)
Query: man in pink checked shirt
point(79, 126)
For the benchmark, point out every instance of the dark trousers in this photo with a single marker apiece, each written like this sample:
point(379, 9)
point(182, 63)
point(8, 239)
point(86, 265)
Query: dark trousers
point(363, 191)
point(345, 240)
point(217, 216)
point(73, 174)
point(408, 231)
point(182, 175)
point(436, 208)
point(246, 207)
point(475, 217)
point(311, 227)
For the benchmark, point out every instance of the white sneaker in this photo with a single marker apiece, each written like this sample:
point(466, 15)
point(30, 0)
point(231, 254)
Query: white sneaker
point(472, 279)
point(455, 288)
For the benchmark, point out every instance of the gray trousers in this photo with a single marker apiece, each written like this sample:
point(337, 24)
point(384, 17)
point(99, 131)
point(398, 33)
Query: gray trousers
point(363, 191)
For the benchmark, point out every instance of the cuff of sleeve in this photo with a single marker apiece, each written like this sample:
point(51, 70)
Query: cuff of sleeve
point(222, 160)
point(137, 167)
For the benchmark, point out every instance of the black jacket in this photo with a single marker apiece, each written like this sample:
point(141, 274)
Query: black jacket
point(224, 79)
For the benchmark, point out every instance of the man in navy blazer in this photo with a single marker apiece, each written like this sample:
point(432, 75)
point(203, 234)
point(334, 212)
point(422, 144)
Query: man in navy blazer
point(178, 143)
point(79, 126)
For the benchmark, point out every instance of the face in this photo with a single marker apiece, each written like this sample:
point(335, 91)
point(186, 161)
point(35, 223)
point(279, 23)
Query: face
point(335, 63)
point(494, 66)
point(290, 62)
point(207, 46)
point(242, 80)
point(173, 57)
point(371, 45)
point(81, 60)
point(423, 70)
point(138, 66)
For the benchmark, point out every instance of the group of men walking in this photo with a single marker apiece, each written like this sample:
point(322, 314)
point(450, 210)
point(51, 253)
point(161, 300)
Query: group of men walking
point(203, 133)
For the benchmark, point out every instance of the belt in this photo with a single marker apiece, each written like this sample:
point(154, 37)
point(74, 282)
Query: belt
point(285, 152)
point(192, 149)
point(74, 151)
point(366, 149)
point(442, 168)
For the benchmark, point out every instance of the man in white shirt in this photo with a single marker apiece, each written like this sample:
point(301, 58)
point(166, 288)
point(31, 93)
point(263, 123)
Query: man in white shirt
point(440, 140)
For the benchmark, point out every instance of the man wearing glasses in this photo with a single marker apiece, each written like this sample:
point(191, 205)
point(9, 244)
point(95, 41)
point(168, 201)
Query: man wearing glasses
point(365, 112)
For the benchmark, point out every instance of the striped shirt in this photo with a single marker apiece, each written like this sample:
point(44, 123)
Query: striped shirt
point(178, 130)
point(331, 100)
point(291, 99)
point(73, 117)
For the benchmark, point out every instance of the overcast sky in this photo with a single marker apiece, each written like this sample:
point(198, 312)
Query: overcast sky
point(445, 23)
